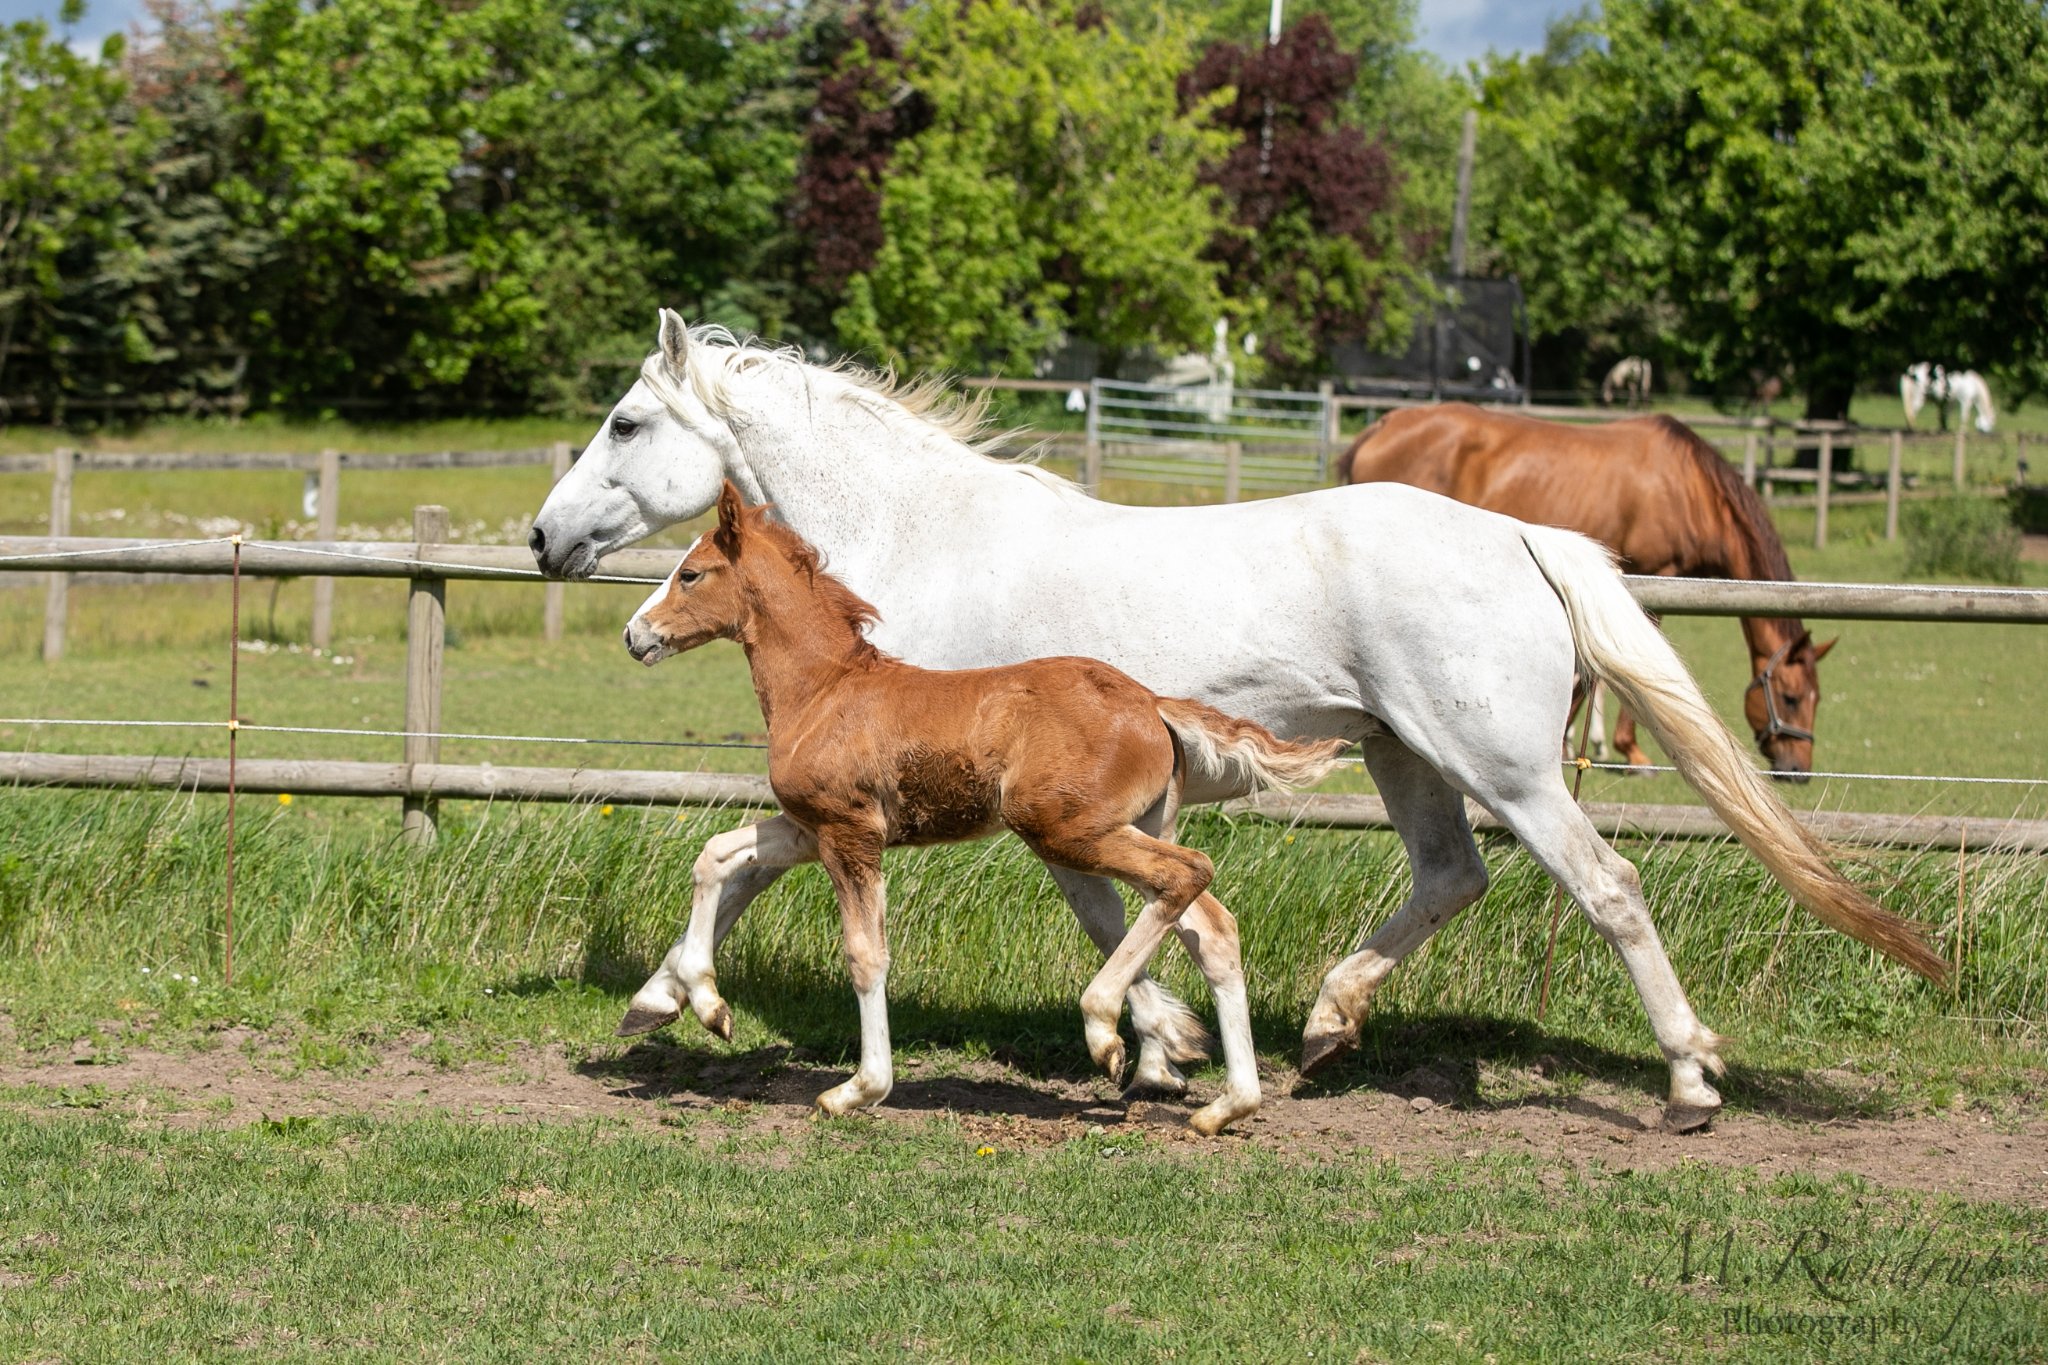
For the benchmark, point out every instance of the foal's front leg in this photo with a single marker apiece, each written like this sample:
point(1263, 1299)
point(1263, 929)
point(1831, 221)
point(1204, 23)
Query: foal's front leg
point(685, 975)
point(855, 865)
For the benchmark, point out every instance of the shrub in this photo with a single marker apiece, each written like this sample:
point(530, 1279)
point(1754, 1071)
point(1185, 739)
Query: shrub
point(1971, 537)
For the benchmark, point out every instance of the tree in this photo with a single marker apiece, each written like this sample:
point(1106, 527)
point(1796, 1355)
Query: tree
point(483, 199)
point(1308, 258)
point(1840, 187)
point(1054, 191)
point(66, 157)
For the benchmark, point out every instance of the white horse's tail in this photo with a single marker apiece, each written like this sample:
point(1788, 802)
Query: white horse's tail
point(1618, 643)
point(1245, 753)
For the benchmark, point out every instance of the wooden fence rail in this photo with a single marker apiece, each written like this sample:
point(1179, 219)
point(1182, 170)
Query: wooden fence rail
point(420, 780)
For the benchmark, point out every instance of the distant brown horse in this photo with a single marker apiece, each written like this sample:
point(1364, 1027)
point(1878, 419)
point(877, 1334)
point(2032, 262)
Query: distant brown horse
point(1650, 490)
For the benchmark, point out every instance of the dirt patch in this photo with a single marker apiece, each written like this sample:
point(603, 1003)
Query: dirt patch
point(1422, 1117)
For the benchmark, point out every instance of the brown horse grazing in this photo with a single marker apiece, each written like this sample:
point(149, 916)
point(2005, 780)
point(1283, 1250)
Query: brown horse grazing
point(1648, 488)
point(866, 752)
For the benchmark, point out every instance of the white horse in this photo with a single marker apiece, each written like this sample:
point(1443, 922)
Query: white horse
point(1630, 377)
point(1924, 383)
point(1441, 637)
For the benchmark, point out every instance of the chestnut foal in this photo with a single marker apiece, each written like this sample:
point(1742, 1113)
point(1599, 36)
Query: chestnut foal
point(866, 752)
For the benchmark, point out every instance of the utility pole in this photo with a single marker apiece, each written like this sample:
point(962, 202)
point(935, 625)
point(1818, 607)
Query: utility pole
point(1441, 361)
point(1464, 208)
point(1266, 132)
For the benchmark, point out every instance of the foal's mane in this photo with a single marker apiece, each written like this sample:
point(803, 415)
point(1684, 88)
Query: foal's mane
point(716, 355)
point(832, 596)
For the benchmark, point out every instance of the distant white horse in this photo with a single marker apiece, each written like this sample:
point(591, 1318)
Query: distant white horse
point(1926, 383)
point(1630, 377)
point(1441, 637)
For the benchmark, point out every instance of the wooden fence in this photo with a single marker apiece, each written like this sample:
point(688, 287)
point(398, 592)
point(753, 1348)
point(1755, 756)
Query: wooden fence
point(420, 780)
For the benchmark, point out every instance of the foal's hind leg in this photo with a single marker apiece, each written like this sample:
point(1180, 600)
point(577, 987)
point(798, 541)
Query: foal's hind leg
point(733, 868)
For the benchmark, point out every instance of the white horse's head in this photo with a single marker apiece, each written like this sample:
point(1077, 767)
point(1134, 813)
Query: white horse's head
point(660, 458)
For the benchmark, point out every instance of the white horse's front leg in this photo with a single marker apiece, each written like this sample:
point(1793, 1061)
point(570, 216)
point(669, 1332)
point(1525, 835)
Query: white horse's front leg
point(857, 876)
point(685, 975)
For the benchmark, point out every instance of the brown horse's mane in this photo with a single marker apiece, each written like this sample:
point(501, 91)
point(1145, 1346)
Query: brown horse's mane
point(833, 596)
point(1747, 516)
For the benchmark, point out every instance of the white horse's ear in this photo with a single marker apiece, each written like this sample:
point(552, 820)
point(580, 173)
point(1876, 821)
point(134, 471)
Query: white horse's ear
point(675, 341)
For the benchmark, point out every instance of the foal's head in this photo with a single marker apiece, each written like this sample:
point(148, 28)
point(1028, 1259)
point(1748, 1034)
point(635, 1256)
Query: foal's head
point(747, 570)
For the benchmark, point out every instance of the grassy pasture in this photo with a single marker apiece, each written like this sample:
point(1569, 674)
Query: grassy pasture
point(134, 1223)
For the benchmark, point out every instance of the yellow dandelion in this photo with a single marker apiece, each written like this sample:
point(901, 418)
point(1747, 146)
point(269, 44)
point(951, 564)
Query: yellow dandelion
point(604, 810)
point(284, 798)
point(1289, 839)
point(984, 1151)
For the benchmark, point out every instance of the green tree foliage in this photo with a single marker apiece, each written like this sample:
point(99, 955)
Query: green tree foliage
point(1055, 190)
point(1835, 186)
point(66, 158)
point(467, 196)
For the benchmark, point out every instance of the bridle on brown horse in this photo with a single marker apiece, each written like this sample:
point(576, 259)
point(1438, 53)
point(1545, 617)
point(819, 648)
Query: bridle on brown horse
point(1777, 728)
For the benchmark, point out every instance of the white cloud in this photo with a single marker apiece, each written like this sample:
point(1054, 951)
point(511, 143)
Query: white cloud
point(1462, 30)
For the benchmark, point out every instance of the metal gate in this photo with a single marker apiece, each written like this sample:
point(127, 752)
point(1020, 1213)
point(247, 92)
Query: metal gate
point(1210, 435)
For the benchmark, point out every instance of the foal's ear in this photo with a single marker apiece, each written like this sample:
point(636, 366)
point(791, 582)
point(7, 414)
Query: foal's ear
point(674, 341)
point(731, 515)
point(1821, 651)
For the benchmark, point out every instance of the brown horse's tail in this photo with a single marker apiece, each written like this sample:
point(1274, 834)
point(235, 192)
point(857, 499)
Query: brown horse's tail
point(1245, 753)
point(1617, 642)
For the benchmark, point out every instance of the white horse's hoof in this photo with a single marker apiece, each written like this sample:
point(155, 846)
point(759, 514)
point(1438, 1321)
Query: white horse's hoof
point(1155, 1074)
point(642, 1019)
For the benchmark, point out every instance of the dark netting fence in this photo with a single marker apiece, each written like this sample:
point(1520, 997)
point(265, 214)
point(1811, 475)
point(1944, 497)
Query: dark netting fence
point(1469, 343)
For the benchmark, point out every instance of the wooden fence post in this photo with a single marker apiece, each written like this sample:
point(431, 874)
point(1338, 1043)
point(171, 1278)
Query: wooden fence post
point(1764, 484)
point(2019, 469)
point(1892, 479)
point(1233, 470)
point(1749, 458)
point(1091, 449)
point(57, 606)
point(1960, 427)
point(1333, 424)
point(426, 622)
point(1826, 484)
point(552, 596)
point(327, 515)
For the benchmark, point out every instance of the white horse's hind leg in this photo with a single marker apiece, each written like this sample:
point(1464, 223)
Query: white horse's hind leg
point(1449, 875)
point(1210, 933)
point(1608, 889)
point(1596, 738)
point(733, 868)
point(1168, 1031)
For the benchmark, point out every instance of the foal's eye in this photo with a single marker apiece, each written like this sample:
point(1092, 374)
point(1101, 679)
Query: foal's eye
point(688, 577)
point(623, 428)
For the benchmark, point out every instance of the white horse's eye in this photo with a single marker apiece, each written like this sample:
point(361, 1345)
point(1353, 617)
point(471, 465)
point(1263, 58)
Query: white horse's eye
point(623, 428)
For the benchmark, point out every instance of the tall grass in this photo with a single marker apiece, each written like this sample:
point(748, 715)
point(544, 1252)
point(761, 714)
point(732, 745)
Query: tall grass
point(344, 928)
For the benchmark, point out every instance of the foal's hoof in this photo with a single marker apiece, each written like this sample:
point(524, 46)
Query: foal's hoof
point(1318, 1050)
point(1111, 1060)
point(639, 1019)
point(720, 1021)
point(1221, 1112)
point(1688, 1118)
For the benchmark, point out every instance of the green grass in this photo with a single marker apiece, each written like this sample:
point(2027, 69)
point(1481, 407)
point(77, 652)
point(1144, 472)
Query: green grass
point(436, 1240)
point(536, 924)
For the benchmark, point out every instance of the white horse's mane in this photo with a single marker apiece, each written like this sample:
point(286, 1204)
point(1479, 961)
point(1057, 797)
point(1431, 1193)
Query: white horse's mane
point(716, 355)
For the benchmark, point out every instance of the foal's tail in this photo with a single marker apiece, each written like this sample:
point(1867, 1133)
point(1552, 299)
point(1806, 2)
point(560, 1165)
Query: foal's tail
point(1618, 643)
point(1242, 751)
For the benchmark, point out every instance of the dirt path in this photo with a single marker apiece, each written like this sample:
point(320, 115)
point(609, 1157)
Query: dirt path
point(1968, 1154)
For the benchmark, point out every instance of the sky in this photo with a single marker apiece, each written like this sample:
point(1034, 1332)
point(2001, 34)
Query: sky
point(1456, 30)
